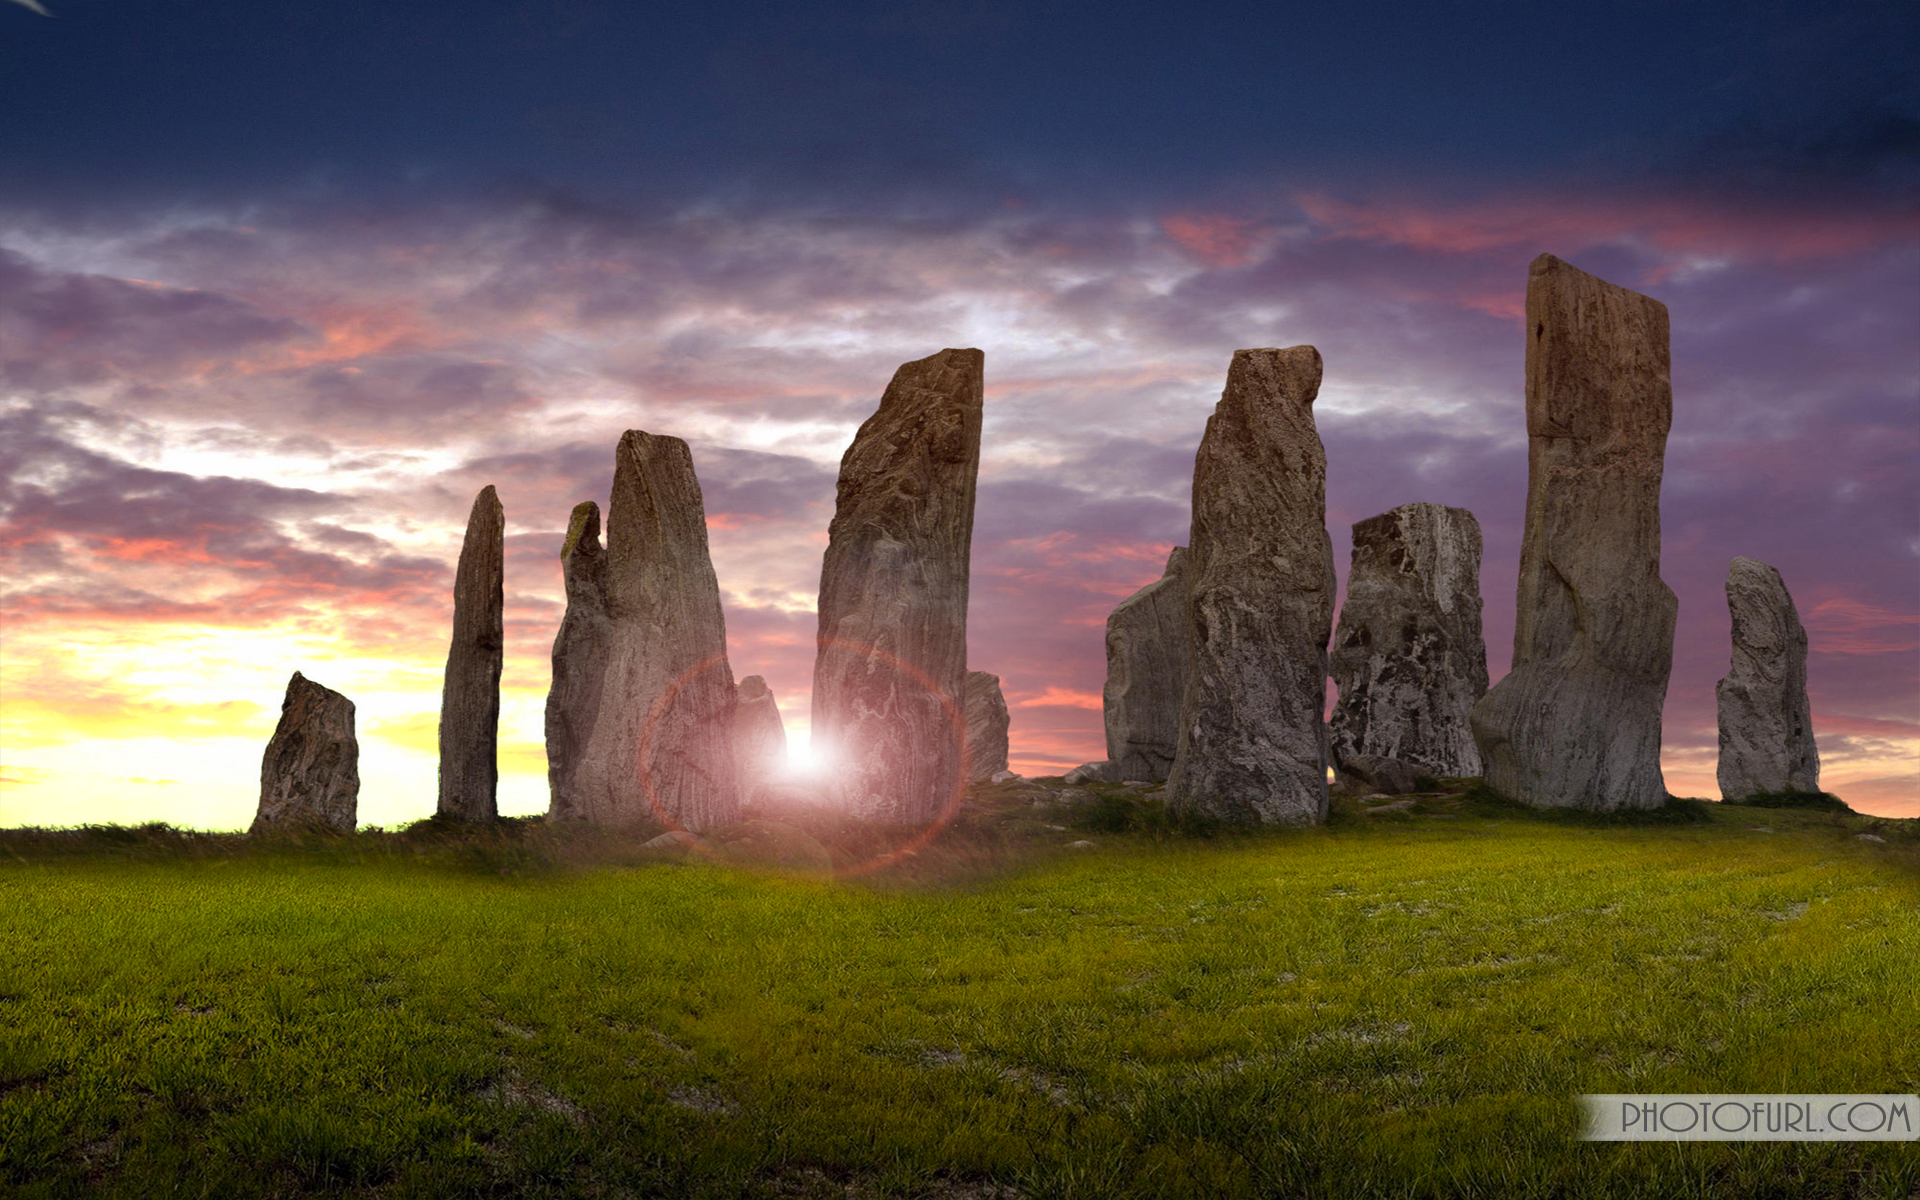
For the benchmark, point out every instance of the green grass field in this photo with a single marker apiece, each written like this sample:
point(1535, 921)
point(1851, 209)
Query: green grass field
point(1394, 1005)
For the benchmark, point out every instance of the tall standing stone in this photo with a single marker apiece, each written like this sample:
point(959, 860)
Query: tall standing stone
point(987, 724)
point(1253, 744)
point(1576, 723)
point(1147, 675)
point(579, 658)
point(1408, 657)
point(1766, 723)
point(310, 775)
point(470, 697)
point(661, 745)
point(889, 680)
point(759, 736)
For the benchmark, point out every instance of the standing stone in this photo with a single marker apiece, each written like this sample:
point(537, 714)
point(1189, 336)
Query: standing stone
point(1408, 657)
point(1147, 675)
point(759, 736)
point(1576, 723)
point(1766, 724)
point(889, 681)
point(579, 658)
point(310, 776)
point(470, 698)
point(987, 725)
point(1253, 744)
point(661, 744)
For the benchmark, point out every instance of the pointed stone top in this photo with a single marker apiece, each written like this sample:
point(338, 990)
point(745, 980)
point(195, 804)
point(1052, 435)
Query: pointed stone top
point(1750, 566)
point(583, 525)
point(1176, 561)
point(753, 687)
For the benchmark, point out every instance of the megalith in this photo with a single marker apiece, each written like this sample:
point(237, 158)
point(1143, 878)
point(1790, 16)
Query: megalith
point(470, 696)
point(579, 658)
point(1260, 584)
point(1576, 722)
point(1408, 661)
point(1766, 723)
point(759, 736)
point(310, 775)
point(661, 743)
point(1147, 675)
point(889, 679)
point(987, 724)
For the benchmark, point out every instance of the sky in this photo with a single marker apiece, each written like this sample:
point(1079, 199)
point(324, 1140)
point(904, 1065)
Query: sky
point(282, 286)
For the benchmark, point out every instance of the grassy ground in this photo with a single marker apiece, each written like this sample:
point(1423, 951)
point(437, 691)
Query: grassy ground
point(1404, 1003)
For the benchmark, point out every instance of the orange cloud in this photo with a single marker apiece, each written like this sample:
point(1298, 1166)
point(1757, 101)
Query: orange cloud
point(1844, 626)
point(1213, 238)
point(1059, 697)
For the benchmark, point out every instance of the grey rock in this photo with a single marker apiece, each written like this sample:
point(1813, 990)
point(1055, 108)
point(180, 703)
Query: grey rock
point(1869, 837)
point(1099, 771)
point(987, 724)
point(1005, 777)
point(470, 696)
point(1408, 657)
point(1766, 724)
point(1260, 584)
point(1147, 674)
point(759, 736)
point(1082, 844)
point(579, 658)
point(678, 844)
point(889, 681)
point(1381, 775)
point(310, 775)
point(661, 746)
point(1576, 723)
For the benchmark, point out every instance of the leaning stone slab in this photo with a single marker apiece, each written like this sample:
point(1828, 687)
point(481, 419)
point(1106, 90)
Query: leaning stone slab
point(661, 746)
point(987, 724)
point(1766, 723)
point(1408, 658)
point(1260, 584)
point(1147, 674)
point(310, 775)
point(1099, 771)
point(1576, 723)
point(470, 697)
point(1380, 774)
point(889, 681)
point(579, 658)
point(759, 736)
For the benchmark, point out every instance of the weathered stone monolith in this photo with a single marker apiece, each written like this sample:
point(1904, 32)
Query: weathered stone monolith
point(889, 681)
point(470, 697)
point(1147, 675)
point(1766, 723)
point(661, 746)
point(310, 776)
point(1576, 723)
point(1260, 584)
point(579, 658)
point(987, 724)
point(759, 736)
point(1408, 657)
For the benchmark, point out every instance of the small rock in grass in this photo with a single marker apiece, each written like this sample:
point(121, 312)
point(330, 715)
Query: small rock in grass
point(1082, 844)
point(1870, 837)
point(1006, 777)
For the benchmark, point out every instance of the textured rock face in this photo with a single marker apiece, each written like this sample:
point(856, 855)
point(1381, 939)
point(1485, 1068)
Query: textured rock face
point(1147, 675)
point(1766, 724)
point(759, 736)
point(1408, 658)
point(470, 698)
point(661, 744)
point(1576, 724)
point(889, 682)
point(1253, 746)
point(987, 725)
point(579, 658)
point(310, 777)
point(1380, 774)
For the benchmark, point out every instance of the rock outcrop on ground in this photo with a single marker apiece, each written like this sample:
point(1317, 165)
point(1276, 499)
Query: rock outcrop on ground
point(988, 723)
point(759, 737)
point(889, 684)
point(1576, 723)
point(310, 775)
point(1766, 722)
point(1260, 587)
point(1147, 675)
point(1409, 662)
point(661, 743)
point(579, 658)
point(470, 696)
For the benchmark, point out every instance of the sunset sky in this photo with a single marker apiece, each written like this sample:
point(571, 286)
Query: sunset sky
point(282, 285)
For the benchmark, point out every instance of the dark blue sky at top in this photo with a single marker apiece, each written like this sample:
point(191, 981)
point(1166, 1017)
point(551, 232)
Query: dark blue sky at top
point(969, 102)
